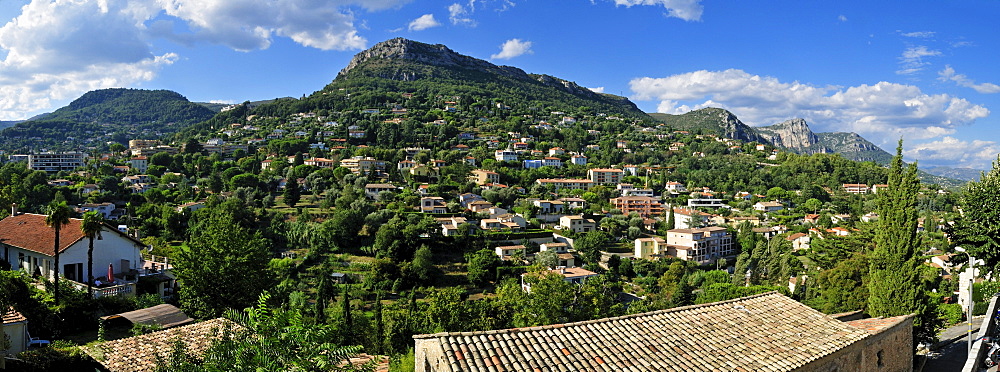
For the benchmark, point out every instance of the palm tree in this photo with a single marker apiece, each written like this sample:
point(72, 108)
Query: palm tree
point(91, 227)
point(58, 215)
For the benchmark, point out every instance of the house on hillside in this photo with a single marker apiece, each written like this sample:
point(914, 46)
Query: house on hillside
point(27, 245)
point(768, 207)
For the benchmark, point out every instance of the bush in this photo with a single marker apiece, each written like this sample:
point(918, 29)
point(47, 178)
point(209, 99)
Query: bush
point(57, 357)
point(951, 313)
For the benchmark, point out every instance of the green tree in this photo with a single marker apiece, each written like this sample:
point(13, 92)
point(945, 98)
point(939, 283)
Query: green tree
point(591, 244)
point(422, 265)
point(57, 216)
point(223, 265)
point(91, 227)
point(292, 193)
point(894, 285)
point(267, 340)
point(483, 267)
point(192, 146)
point(978, 229)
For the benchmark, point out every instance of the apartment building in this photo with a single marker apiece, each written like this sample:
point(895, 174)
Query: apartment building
point(55, 162)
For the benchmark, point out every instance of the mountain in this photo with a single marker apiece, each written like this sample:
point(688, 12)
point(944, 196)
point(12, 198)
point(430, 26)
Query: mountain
point(964, 174)
point(8, 124)
point(796, 136)
point(106, 115)
point(396, 63)
point(793, 134)
point(853, 146)
point(712, 121)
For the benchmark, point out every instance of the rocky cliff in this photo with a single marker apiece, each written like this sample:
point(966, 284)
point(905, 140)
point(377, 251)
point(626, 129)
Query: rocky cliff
point(793, 134)
point(712, 120)
point(404, 50)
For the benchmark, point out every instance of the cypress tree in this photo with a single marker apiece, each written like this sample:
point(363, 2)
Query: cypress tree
point(671, 223)
point(894, 285)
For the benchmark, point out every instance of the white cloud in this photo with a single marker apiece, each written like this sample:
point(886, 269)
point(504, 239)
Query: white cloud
point(948, 74)
point(688, 10)
point(57, 50)
point(919, 34)
point(251, 24)
point(424, 22)
point(887, 110)
point(513, 48)
point(597, 89)
point(842, 18)
point(912, 60)
point(459, 15)
point(950, 151)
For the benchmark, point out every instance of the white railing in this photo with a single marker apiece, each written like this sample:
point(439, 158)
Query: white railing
point(125, 289)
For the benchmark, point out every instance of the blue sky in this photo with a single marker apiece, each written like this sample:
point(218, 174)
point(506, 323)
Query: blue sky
point(920, 70)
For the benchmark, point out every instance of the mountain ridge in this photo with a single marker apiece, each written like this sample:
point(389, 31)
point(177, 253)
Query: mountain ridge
point(103, 115)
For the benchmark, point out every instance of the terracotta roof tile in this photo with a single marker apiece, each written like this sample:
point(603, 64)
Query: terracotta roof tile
point(767, 332)
point(28, 231)
point(139, 353)
point(13, 316)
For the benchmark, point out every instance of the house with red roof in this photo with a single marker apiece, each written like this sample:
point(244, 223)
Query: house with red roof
point(26, 243)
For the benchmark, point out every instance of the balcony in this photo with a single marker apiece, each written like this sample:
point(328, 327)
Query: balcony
point(153, 268)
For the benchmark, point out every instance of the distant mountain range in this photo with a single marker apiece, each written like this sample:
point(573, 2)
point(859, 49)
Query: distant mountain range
point(792, 135)
point(796, 136)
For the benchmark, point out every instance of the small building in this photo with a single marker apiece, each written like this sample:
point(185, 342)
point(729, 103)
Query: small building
point(605, 176)
point(508, 252)
point(433, 204)
point(482, 177)
point(766, 332)
point(15, 326)
point(768, 207)
point(372, 190)
point(799, 241)
point(573, 275)
point(855, 188)
point(577, 224)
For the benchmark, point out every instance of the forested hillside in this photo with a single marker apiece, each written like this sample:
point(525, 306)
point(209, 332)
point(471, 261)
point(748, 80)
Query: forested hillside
point(98, 116)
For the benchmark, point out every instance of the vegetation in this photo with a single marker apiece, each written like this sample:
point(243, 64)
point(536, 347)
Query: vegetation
point(124, 113)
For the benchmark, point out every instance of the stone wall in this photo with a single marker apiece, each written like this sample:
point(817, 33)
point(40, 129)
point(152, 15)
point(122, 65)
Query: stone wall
point(888, 350)
point(429, 357)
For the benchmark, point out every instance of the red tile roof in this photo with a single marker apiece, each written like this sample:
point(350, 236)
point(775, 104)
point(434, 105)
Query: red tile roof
point(28, 231)
point(12, 316)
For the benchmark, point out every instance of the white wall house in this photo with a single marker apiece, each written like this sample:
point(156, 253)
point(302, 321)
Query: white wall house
point(27, 244)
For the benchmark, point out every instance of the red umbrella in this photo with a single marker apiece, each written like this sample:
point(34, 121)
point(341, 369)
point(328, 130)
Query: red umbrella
point(111, 273)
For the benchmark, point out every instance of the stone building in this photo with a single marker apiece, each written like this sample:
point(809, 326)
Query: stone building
point(764, 332)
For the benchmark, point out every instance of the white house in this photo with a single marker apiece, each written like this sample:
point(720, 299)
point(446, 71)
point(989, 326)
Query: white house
point(27, 245)
point(768, 207)
point(577, 224)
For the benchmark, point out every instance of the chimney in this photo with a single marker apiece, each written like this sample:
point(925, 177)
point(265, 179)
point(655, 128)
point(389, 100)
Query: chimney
point(13, 209)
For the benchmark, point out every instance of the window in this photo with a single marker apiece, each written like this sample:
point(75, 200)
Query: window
point(879, 360)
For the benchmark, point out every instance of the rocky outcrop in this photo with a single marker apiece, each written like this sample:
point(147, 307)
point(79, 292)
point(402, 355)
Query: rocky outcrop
point(852, 146)
point(400, 49)
point(793, 134)
point(732, 127)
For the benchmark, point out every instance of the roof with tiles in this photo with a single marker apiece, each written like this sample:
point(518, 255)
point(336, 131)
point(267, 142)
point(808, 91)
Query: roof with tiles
point(765, 332)
point(877, 325)
point(139, 353)
point(13, 316)
point(28, 231)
